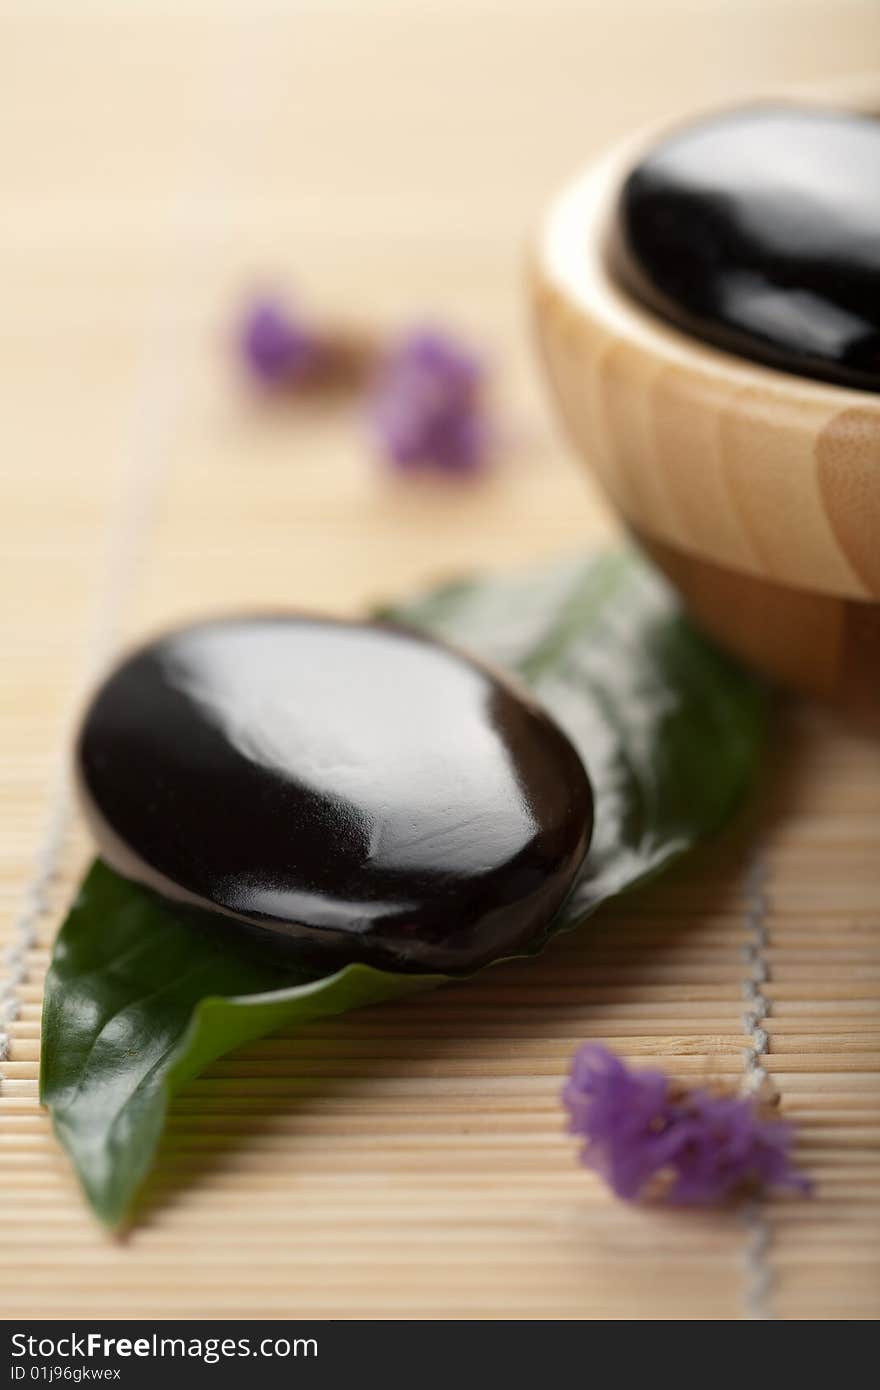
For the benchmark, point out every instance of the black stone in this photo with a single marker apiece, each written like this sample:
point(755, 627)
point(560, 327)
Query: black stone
point(758, 230)
point(357, 788)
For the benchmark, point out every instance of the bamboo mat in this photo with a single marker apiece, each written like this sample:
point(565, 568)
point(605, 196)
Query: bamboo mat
point(389, 158)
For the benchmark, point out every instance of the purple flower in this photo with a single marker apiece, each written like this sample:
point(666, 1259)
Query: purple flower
point(277, 347)
point(640, 1130)
point(426, 409)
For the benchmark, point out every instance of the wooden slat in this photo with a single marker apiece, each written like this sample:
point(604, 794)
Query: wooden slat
point(389, 160)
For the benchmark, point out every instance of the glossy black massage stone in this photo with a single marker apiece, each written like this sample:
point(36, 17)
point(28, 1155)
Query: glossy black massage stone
point(358, 788)
point(758, 230)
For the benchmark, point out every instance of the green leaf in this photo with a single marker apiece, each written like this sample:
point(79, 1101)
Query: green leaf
point(139, 999)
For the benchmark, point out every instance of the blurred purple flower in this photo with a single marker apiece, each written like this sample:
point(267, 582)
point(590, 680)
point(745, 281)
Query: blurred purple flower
point(426, 408)
point(640, 1127)
point(277, 347)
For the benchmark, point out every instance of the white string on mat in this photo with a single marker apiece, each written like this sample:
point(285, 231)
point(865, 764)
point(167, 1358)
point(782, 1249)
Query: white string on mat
point(757, 1004)
point(158, 398)
point(35, 904)
point(758, 1274)
point(156, 408)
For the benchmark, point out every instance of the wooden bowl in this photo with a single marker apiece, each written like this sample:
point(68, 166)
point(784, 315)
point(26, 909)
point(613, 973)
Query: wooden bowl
point(756, 491)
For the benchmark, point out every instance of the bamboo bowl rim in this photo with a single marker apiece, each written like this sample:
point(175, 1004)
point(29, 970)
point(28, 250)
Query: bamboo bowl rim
point(759, 454)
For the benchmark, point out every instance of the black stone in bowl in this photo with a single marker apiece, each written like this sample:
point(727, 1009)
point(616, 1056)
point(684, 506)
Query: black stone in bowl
point(758, 231)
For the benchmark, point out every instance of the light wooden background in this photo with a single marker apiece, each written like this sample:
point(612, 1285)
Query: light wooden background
point(389, 158)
